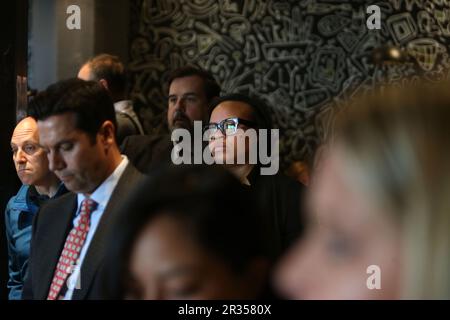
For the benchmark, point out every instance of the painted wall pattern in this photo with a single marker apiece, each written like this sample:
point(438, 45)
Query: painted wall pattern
point(304, 57)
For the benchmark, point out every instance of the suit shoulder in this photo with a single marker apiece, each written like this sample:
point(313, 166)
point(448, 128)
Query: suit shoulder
point(59, 202)
point(131, 175)
point(143, 141)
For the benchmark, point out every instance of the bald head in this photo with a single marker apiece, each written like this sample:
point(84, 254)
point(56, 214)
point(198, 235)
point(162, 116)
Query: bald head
point(29, 158)
point(85, 73)
point(26, 128)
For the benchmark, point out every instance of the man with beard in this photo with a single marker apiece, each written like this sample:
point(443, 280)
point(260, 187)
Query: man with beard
point(190, 92)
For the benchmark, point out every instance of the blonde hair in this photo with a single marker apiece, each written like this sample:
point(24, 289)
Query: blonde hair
point(397, 147)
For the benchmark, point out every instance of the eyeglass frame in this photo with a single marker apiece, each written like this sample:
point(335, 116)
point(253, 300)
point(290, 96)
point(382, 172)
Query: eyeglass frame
point(237, 120)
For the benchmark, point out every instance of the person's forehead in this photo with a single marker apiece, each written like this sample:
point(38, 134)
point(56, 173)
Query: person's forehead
point(27, 129)
point(192, 83)
point(57, 125)
point(166, 236)
point(230, 108)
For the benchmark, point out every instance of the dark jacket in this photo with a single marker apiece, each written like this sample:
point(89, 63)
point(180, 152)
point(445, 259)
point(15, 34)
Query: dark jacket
point(147, 151)
point(279, 200)
point(126, 126)
point(50, 229)
point(19, 215)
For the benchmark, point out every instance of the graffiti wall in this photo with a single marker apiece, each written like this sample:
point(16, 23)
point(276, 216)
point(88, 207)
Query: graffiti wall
point(303, 57)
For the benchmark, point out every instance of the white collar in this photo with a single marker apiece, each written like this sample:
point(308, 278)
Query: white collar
point(103, 192)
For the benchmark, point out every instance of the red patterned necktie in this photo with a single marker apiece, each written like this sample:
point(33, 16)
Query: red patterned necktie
point(71, 252)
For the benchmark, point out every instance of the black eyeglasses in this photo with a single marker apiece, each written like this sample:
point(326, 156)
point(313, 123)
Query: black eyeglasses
point(228, 126)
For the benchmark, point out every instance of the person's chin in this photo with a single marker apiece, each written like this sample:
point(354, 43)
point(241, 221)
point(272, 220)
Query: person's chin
point(69, 182)
point(73, 187)
point(179, 124)
point(25, 178)
point(221, 157)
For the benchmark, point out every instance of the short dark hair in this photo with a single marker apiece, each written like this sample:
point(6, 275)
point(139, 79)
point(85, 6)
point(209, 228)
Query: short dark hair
point(109, 67)
point(88, 100)
point(260, 110)
point(211, 87)
point(211, 204)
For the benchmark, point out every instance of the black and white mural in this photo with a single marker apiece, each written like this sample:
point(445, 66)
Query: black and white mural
point(303, 57)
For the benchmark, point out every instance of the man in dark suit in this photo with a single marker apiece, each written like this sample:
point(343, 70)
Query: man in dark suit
point(77, 128)
point(191, 90)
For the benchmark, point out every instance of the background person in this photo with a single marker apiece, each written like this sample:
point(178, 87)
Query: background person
point(39, 185)
point(109, 71)
point(191, 90)
point(278, 197)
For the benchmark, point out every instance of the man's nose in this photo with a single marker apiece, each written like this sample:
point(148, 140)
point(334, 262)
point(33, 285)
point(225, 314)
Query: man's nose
point(54, 161)
point(20, 157)
point(180, 104)
point(219, 134)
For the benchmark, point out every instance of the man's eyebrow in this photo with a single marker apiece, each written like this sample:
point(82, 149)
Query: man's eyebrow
point(31, 142)
point(58, 145)
point(26, 142)
point(183, 95)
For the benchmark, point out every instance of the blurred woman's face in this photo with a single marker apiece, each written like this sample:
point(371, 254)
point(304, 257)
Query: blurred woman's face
point(167, 264)
point(345, 236)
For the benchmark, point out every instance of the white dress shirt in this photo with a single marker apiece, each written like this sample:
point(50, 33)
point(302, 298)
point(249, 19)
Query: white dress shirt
point(101, 195)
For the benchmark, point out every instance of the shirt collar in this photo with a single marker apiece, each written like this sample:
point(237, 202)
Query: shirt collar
point(103, 192)
point(122, 106)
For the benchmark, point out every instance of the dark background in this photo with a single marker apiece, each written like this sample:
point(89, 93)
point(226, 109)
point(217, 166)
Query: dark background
point(13, 50)
point(304, 57)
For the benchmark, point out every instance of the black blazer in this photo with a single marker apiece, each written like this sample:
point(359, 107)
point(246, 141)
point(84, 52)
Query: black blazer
point(280, 203)
point(147, 151)
point(50, 229)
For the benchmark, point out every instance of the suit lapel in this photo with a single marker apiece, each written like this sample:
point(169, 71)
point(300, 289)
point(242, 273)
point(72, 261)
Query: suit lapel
point(54, 242)
point(95, 254)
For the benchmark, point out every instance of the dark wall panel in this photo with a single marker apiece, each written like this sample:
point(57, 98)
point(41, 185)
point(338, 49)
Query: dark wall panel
point(304, 56)
point(13, 44)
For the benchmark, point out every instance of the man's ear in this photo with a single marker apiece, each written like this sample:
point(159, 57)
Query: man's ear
point(108, 133)
point(104, 83)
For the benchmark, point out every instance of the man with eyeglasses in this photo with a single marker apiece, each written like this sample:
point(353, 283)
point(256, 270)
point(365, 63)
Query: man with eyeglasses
point(277, 196)
point(191, 90)
point(39, 185)
point(226, 134)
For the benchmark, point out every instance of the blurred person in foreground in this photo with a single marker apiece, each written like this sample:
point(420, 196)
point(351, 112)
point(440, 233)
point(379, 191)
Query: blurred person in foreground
point(379, 208)
point(193, 237)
